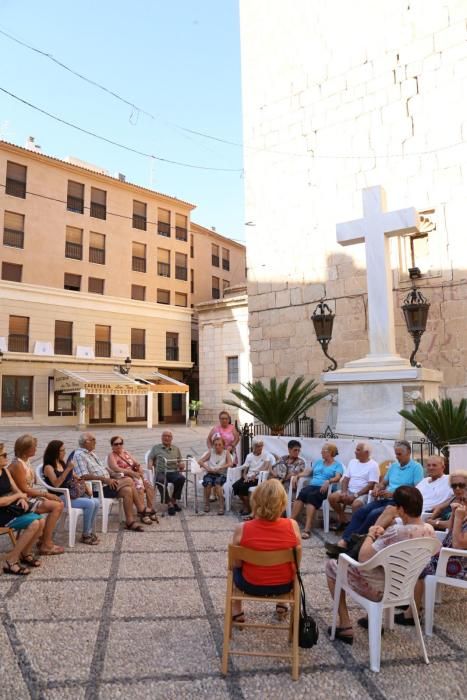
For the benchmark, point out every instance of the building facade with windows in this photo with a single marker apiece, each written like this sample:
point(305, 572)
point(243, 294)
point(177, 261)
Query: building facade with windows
point(224, 357)
point(93, 270)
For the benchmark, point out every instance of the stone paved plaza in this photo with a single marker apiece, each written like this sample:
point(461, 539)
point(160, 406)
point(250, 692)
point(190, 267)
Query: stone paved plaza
point(140, 616)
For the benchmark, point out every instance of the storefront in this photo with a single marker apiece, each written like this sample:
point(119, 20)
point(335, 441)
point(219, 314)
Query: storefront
point(115, 398)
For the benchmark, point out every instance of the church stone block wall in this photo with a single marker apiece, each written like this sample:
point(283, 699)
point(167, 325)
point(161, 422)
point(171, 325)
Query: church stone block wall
point(339, 96)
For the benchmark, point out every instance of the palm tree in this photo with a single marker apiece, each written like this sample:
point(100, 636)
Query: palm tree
point(441, 423)
point(276, 406)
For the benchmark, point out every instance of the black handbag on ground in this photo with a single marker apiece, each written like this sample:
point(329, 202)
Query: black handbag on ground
point(308, 632)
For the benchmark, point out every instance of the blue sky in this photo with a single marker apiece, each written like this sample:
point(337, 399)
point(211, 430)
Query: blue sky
point(179, 60)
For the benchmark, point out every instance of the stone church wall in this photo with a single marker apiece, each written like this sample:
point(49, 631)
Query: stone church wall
point(339, 96)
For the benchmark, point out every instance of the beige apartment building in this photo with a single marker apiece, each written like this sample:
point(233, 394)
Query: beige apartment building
point(95, 270)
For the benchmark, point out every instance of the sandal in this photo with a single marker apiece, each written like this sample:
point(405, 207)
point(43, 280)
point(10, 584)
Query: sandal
point(134, 527)
point(15, 569)
point(30, 560)
point(220, 511)
point(281, 611)
point(52, 552)
point(144, 517)
point(306, 534)
point(207, 507)
point(346, 638)
point(89, 539)
point(236, 619)
point(153, 515)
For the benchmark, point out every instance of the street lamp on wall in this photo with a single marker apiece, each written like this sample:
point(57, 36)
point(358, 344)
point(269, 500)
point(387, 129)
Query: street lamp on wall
point(323, 320)
point(125, 369)
point(415, 309)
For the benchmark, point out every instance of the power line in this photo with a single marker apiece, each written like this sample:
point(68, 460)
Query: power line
point(116, 143)
point(115, 94)
point(310, 154)
point(122, 216)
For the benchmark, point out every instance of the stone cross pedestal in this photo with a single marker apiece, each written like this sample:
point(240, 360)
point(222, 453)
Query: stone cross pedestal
point(371, 390)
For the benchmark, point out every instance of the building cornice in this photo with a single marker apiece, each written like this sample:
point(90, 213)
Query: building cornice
point(197, 228)
point(35, 294)
point(221, 304)
point(108, 179)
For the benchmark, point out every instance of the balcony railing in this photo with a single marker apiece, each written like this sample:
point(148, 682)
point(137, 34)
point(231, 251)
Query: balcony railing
point(13, 238)
point(163, 229)
point(215, 260)
point(15, 187)
point(163, 269)
point(75, 204)
point(138, 351)
point(98, 211)
point(225, 264)
point(102, 348)
point(216, 293)
point(138, 264)
point(97, 255)
point(18, 342)
point(181, 273)
point(181, 234)
point(139, 222)
point(171, 354)
point(63, 346)
point(73, 250)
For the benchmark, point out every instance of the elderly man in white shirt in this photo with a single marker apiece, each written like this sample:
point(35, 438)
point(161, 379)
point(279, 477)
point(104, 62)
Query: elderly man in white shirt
point(435, 488)
point(360, 477)
point(256, 461)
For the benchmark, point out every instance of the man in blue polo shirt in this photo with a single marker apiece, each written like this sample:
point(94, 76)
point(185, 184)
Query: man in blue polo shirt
point(405, 472)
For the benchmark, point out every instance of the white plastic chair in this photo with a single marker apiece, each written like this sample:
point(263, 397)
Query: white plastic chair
point(72, 513)
point(149, 472)
point(106, 504)
point(402, 562)
point(325, 507)
point(432, 581)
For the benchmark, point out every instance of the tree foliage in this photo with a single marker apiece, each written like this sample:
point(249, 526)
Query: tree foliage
point(276, 405)
point(441, 423)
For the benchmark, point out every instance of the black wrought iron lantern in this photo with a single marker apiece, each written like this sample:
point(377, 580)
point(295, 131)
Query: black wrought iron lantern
point(125, 369)
point(323, 320)
point(415, 309)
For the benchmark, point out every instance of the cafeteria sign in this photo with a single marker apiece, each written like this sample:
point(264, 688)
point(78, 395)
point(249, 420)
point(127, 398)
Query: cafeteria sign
point(69, 384)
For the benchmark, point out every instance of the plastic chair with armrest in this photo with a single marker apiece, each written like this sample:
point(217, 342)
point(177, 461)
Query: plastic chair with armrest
point(402, 563)
point(72, 513)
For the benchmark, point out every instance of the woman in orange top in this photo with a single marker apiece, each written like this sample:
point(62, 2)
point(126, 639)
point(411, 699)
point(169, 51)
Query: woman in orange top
point(267, 532)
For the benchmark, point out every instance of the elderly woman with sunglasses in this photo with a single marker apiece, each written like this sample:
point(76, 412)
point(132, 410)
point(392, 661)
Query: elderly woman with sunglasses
point(441, 515)
point(122, 463)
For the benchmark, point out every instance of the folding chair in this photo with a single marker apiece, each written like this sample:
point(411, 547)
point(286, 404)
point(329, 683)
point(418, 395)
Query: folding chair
point(252, 556)
point(10, 532)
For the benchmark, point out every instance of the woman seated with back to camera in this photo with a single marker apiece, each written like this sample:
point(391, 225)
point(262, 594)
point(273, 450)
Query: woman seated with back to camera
point(408, 505)
point(60, 476)
point(267, 532)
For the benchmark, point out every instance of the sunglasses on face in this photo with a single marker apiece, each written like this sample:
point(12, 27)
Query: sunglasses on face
point(4, 455)
point(458, 486)
point(118, 444)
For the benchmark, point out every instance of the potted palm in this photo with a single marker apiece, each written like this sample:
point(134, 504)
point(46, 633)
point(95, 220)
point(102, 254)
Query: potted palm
point(195, 405)
point(276, 405)
point(442, 423)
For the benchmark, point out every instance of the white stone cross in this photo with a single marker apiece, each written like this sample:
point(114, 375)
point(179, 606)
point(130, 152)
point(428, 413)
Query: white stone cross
point(374, 230)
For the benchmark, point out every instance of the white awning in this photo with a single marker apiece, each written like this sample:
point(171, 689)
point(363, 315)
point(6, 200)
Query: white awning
point(163, 384)
point(112, 383)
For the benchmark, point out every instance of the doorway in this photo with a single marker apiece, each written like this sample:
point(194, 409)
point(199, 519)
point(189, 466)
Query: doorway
point(102, 409)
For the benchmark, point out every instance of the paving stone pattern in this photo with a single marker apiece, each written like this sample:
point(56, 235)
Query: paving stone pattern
point(141, 616)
